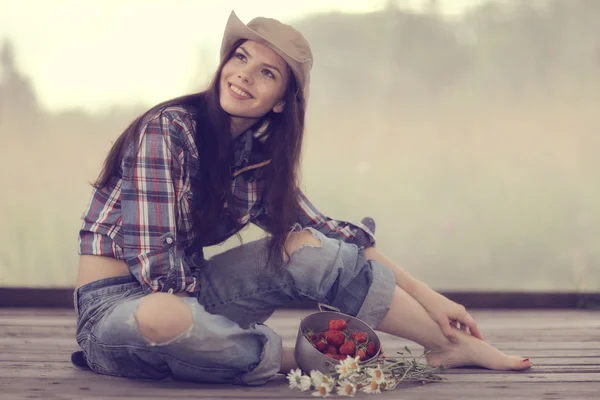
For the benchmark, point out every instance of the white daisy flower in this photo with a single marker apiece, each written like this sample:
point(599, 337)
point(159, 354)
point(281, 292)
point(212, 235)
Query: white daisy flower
point(372, 387)
point(346, 388)
point(348, 367)
point(377, 375)
point(323, 390)
point(342, 369)
point(305, 383)
point(298, 381)
point(316, 377)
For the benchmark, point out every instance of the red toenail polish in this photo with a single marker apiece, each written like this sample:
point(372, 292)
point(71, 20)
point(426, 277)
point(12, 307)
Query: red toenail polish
point(525, 360)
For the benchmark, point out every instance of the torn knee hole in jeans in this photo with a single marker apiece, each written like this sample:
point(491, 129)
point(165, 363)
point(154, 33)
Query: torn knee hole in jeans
point(301, 241)
point(155, 332)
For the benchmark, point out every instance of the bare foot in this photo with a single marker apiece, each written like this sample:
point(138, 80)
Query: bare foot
point(470, 351)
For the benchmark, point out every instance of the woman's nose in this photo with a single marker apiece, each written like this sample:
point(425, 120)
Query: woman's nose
point(245, 76)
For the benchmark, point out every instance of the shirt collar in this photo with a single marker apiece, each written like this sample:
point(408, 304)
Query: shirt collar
point(242, 148)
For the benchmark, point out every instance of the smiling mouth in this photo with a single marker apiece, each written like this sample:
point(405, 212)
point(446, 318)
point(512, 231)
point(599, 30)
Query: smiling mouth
point(239, 91)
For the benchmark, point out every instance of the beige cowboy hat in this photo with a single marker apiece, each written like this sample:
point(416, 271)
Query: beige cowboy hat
point(281, 38)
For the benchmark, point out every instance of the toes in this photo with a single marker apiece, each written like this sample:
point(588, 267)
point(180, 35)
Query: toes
point(518, 363)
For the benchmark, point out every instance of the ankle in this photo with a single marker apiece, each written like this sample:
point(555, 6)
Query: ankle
point(288, 360)
point(441, 343)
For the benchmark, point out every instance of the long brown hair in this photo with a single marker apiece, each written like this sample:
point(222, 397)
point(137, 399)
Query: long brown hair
point(282, 143)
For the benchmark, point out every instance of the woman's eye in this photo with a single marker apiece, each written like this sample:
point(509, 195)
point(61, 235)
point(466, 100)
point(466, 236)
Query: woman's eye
point(268, 73)
point(240, 56)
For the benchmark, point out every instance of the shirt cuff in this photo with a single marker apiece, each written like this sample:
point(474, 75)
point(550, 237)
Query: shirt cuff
point(365, 236)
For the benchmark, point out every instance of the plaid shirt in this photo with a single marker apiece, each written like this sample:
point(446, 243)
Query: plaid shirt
point(144, 218)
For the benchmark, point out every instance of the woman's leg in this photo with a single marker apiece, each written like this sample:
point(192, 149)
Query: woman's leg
point(238, 284)
point(125, 333)
point(161, 317)
point(408, 319)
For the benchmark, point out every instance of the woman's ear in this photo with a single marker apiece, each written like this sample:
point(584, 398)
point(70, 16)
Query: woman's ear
point(278, 108)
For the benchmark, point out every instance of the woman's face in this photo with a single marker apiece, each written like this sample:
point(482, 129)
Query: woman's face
point(253, 82)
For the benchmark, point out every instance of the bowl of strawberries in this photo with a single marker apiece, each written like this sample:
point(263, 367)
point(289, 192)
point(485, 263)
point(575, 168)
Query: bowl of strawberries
point(326, 337)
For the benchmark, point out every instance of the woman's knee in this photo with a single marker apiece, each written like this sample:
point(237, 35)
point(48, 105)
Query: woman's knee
point(161, 317)
point(297, 240)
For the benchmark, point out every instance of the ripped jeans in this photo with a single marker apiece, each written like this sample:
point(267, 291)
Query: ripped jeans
point(227, 341)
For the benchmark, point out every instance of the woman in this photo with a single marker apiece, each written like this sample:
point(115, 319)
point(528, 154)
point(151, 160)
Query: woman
point(192, 172)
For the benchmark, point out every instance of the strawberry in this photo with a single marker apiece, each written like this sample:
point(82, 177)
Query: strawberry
point(362, 356)
point(335, 338)
point(337, 325)
point(360, 337)
point(321, 345)
point(348, 348)
point(370, 349)
point(329, 355)
point(331, 349)
point(339, 357)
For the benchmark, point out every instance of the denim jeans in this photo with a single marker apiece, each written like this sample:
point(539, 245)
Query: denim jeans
point(227, 341)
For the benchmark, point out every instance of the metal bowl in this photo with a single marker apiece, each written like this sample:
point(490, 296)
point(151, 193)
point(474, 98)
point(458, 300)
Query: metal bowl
point(309, 358)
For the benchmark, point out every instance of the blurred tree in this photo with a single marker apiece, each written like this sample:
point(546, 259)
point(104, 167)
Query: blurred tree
point(19, 109)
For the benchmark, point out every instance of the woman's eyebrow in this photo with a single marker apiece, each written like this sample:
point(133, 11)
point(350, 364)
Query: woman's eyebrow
point(265, 64)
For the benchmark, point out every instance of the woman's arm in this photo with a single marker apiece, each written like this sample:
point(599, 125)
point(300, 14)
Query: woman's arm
point(153, 187)
point(357, 233)
point(308, 216)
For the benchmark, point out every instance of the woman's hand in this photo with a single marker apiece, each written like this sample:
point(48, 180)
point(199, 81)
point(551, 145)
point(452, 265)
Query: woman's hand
point(446, 313)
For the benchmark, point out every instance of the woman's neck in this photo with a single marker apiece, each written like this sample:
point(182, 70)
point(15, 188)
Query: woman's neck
point(240, 125)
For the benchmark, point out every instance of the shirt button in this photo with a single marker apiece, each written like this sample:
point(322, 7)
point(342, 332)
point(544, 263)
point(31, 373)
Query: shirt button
point(169, 240)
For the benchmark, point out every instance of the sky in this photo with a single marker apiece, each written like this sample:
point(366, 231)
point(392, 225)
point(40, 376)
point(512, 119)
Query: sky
point(92, 54)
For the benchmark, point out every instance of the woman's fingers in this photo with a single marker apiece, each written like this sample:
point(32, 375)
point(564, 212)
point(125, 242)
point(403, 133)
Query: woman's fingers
point(470, 323)
point(447, 330)
point(457, 325)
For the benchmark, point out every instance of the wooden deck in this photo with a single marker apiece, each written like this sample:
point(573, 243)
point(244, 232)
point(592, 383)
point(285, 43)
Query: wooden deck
point(35, 348)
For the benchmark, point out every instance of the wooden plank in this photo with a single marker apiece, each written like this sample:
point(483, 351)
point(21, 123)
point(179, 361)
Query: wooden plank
point(41, 321)
point(32, 312)
point(16, 368)
point(585, 338)
point(35, 332)
point(113, 388)
point(507, 320)
point(65, 357)
point(290, 328)
point(17, 345)
point(42, 345)
point(53, 356)
point(65, 369)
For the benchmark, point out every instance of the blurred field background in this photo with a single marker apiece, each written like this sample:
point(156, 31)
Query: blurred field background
point(471, 139)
